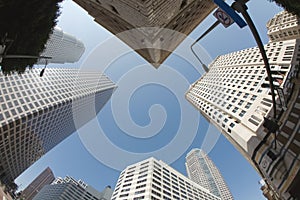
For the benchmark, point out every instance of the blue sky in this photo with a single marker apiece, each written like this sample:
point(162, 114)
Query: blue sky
point(155, 103)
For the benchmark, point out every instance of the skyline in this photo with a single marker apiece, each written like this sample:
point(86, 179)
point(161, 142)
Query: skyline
point(175, 62)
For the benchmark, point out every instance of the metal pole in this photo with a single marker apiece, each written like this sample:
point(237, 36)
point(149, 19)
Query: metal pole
point(204, 34)
point(240, 6)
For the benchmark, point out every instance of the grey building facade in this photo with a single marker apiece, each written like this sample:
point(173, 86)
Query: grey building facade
point(37, 113)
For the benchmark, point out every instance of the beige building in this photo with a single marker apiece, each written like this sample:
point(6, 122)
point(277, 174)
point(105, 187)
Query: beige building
point(235, 96)
point(154, 28)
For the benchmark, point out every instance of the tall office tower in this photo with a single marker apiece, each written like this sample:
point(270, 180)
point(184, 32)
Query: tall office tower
point(284, 26)
point(45, 178)
point(37, 112)
point(235, 96)
point(155, 180)
point(70, 189)
point(62, 48)
point(137, 16)
point(201, 169)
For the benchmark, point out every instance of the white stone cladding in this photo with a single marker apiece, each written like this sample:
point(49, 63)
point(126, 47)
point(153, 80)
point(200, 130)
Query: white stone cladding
point(154, 180)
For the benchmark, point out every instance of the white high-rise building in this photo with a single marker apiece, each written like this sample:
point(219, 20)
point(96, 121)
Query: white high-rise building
point(153, 28)
point(37, 113)
point(69, 189)
point(155, 180)
point(235, 96)
point(284, 26)
point(62, 48)
point(201, 169)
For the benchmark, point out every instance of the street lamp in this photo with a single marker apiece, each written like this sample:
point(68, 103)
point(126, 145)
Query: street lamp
point(4, 49)
point(240, 6)
point(204, 34)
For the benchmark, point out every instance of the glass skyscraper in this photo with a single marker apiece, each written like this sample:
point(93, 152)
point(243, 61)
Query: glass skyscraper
point(37, 113)
point(201, 169)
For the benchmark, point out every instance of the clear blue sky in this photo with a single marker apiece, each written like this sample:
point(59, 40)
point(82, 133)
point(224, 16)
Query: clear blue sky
point(71, 157)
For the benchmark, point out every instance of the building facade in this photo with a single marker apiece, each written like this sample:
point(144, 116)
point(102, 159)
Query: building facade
point(284, 26)
point(154, 180)
point(37, 112)
point(235, 96)
point(153, 28)
point(69, 189)
point(62, 48)
point(45, 178)
point(201, 169)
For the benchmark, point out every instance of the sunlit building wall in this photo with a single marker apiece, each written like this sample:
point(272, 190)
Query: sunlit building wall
point(37, 113)
point(284, 26)
point(235, 96)
point(155, 180)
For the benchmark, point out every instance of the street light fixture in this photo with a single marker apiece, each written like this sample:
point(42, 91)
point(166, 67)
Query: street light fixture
point(240, 6)
point(204, 34)
point(4, 49)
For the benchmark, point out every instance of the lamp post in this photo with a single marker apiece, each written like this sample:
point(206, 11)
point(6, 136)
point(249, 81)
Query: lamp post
point(240, 6)
point(204, 34)
point(4, 49)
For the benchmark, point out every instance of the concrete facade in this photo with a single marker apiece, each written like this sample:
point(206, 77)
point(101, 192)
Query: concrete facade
point(153, 28)
point(284, 26)
point(235, 96)
point(155, 180)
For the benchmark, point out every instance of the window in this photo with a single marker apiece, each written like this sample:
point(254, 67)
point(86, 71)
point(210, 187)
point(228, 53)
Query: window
point(140, 192)
point(156, 193)
point(242, 113)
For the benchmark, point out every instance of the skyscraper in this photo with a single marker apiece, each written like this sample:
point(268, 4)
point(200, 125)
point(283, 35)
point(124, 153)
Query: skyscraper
point(62, 48)
point(235, 96)
point(137, 17)
point(37, 113)
point(69, 189)
point(284, 26)
point(45, 178)
point(155, 180)
point(201, 169)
